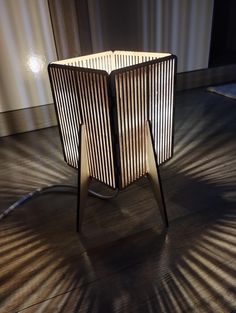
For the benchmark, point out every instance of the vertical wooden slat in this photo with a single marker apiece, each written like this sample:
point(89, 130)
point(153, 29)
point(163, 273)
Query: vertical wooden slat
point(56, 89)
point(137, 151)
point(145, 114)
point(89, 122)
point(64, 105)
point(82, 104)
point(104, 87)
point(102, 126)
point(133, 137)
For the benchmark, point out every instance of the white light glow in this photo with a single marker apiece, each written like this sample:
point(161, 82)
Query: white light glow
point(36, 63)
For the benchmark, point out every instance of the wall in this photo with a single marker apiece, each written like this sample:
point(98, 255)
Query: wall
point(182, 27)
point(34, 32)
point(27, 46)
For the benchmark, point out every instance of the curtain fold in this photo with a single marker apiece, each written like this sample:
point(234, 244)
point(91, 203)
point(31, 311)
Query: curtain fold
point(27, 46)
point(182, 27)
point(71, 28)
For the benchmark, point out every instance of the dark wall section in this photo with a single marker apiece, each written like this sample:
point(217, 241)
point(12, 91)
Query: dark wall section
point(124, 21)
point(71, 27)
point(223, 40)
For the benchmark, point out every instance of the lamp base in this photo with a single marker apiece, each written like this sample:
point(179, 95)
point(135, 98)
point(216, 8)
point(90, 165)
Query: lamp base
point(154, 176)
point(84, 177)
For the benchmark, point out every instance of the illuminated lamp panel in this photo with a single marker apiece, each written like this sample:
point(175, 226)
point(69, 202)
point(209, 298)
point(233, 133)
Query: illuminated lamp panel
point(144, 92)
point(114, 94)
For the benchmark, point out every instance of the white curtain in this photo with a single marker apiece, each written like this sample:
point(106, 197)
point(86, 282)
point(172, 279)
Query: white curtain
point(35, 32)
point(27, 46)
point(182, 27)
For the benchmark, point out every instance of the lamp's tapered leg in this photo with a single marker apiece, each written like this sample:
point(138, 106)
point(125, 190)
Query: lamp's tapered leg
point(153, 175)
point(83, 177)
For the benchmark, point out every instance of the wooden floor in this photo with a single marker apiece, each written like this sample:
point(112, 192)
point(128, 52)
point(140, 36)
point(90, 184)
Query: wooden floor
point(125, 261)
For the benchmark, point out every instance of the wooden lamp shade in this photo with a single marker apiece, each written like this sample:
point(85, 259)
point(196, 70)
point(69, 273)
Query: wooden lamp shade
point(115, 115)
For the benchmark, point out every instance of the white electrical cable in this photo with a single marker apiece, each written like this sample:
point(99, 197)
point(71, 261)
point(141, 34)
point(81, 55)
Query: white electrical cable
point(38, 191)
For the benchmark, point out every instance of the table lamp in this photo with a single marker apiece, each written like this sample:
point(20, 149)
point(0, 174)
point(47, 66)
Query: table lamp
point(115, 116)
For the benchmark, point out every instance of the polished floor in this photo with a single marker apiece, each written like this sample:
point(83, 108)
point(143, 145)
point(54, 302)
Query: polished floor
point(125, 261)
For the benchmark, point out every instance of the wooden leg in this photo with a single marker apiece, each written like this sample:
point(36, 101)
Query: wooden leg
point(83, 177)
point(153, 175)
